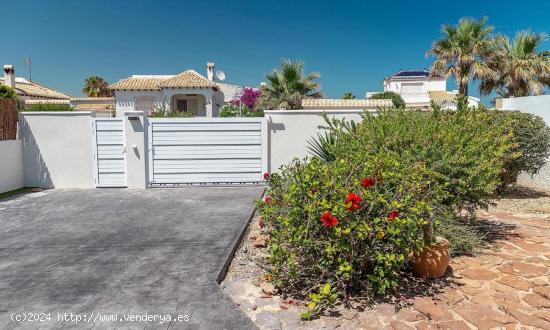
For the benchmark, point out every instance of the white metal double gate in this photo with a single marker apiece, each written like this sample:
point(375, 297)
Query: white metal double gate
point(206, 150)
point(109, 152)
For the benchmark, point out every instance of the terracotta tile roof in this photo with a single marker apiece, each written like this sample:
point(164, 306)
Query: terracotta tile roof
point(189, 78)
point(139, 82)
point(83, 99)
point(343, 104)
point(24, 87)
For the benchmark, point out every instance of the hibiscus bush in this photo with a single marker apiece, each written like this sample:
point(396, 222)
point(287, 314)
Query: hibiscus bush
point(346, 226)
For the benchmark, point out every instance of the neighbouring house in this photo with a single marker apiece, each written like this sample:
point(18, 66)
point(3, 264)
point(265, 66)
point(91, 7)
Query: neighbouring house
point(418, 89)
point(344, 104)
point(188, 92)
point(30, 90)
point(98, 106)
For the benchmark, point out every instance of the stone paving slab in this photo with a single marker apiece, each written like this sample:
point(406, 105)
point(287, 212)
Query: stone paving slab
point(156, 251)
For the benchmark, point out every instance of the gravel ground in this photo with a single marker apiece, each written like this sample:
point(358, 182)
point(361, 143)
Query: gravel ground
point(526, 200)
point(247, 260)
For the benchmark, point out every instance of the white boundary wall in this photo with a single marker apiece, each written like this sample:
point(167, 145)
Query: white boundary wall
point(57, 149)
point(537, 105)
point(289, 131)
point(11, 165)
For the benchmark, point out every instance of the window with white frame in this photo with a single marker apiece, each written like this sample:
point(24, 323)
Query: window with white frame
point(144, 104)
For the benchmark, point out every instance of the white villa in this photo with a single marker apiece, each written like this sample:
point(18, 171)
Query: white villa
point(188, 91)
point(418, 89)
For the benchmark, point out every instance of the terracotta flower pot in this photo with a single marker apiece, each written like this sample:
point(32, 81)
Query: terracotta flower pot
point(433, 261)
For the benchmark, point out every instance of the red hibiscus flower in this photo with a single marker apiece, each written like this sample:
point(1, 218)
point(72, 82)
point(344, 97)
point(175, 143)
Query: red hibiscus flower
point(266, 176)
point(367, 182)
point(393, 214)
point(328, 220)
point(267, 200)
point(352, 202)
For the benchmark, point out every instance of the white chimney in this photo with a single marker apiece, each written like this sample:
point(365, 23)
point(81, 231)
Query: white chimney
point(9, 75)
point(210, 71)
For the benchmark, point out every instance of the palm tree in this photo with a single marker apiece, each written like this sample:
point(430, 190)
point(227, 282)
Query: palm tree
point(287, 87)
point(348, 96)
point(95, 86)
point(521, 70)
point(463, 51)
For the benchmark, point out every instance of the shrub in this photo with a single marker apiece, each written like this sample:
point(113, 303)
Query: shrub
point(531, 137)
point(48, 107)
point(397, 100)
point(230, 110)
point(465, 236)
point(466, 149)
point(375, 193)
point(6, 92)
point(343, 226)
point(248, 98)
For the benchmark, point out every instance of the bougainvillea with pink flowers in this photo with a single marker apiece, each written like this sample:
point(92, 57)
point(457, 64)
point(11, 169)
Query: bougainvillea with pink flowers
point(248, 98)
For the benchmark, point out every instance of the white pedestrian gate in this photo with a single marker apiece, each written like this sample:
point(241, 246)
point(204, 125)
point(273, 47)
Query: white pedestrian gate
point(109, 152)
point(206, 150)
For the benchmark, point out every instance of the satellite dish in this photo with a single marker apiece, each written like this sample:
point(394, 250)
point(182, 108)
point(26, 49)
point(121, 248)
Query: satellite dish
point(220, 75)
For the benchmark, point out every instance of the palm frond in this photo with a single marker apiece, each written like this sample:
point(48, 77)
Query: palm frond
point(319, 146)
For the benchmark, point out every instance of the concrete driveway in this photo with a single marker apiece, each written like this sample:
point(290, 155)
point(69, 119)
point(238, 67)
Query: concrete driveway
point(84, 257)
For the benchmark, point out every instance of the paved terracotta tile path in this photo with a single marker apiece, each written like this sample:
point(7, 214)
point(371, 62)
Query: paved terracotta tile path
point(507, 287)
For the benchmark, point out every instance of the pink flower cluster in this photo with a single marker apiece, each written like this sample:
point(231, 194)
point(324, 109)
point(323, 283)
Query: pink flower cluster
point(249, 97)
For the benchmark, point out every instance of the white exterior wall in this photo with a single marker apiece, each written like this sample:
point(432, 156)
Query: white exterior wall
point(436, 84)
point(11, 165)
point(289, 131)
point(124, 100)
point(214, 99)
point(409, 98)
point(219, 100)
point(57, 149)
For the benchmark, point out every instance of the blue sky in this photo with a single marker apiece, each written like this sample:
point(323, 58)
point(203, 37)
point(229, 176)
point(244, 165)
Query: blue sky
point(354, 44)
